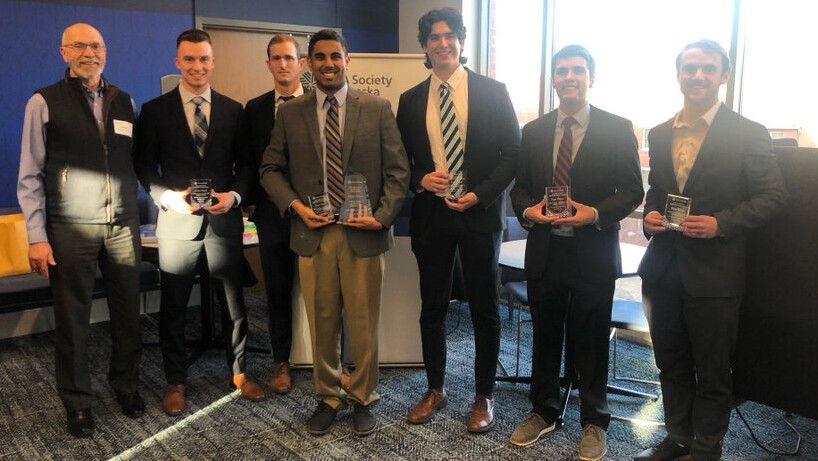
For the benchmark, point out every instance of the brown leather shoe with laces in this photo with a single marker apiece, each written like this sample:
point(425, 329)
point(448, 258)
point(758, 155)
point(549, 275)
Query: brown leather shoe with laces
point(249, 390)
point(173, 400)
point(282, 381)
point(433, 400)
point(481, 418)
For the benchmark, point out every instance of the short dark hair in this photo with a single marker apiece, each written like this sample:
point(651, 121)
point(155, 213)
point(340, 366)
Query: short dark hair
point(194, 36)
point(326, 34)
point(570, 51)
point(451, 17)
point(284, 38)
point(711, 46)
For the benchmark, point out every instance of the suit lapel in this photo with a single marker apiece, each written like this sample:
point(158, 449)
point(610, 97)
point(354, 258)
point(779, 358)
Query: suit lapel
point(420, 104)
point(216, 102)
point(661, 152)
point(707, 151)
point(178, 112)
point(543, 165)
point(353, 110)
point(589, 142)
point(311, 118)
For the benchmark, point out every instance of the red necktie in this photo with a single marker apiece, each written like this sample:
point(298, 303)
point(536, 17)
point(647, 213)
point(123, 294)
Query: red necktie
point(562, 169)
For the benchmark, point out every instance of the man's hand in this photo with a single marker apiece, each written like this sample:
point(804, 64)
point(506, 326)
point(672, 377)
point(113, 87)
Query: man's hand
point(584, 215)
point(177, 201)
point(365, 223)
point(225, 201)
point(312, 220)
point(700, 227)
point(463, 203)
point(653, 223)
point(40, 257)
point(436, 181)
point(534, 214)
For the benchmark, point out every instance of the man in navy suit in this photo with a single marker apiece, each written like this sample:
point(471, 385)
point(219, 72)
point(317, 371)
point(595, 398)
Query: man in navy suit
point(277, 260)
point(571, 263)
point(457, 121)
point(194, 132)
point(693, 280)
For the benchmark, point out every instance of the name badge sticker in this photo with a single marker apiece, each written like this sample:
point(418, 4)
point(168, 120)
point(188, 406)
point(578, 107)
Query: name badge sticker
point(124, 128)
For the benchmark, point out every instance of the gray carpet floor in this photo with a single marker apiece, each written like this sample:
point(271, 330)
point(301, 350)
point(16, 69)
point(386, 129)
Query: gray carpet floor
point(219, 425)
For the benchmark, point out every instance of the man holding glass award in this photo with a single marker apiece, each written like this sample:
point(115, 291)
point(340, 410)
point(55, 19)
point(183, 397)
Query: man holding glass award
point(336, 164)
point(577, 177)
point(713, 177)
point(193, 159)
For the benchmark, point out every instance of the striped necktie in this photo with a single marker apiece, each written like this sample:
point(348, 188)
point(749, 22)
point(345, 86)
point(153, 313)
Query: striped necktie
point(562, 169)
point(199, 126)
point(334, 164)
point(451, 133)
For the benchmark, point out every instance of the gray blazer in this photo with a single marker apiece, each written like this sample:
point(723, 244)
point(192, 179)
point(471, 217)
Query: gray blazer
point(292, 166)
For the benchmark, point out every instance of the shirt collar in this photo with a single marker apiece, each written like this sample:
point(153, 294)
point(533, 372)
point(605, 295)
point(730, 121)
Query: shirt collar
point(340, 95)
point(298, 92)
point(707, 117)
point(454, 81)
point(581, 117)
point(187, 96)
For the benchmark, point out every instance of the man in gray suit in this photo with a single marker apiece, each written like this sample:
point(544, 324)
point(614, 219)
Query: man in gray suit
point(317, 140)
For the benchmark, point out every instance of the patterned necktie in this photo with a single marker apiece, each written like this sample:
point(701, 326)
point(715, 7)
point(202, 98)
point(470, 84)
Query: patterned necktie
point(285, 98)
point(199, 126)
point(281, 100)
point(562, 169)
point(451, 133)
point(334, 164)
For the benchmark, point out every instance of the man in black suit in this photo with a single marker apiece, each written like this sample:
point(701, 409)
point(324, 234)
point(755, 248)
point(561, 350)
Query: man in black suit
point(194, 132)
point(571, 263)
point(277, 260)
point(693, 280)
point(457, 121)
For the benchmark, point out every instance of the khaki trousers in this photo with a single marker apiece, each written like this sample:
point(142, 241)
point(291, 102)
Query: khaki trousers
point(335, 282)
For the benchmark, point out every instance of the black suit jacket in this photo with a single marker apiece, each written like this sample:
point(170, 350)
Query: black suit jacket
point(736, 179)
point(167, 159)
point(492, 144)
point(604, 174)
point(260, 114)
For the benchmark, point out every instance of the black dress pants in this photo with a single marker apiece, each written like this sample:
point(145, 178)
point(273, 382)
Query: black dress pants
point(78, 249)
point(694, 340)
point(278, 265)
point(563, 302)
point(434, 247)
point(178, 262)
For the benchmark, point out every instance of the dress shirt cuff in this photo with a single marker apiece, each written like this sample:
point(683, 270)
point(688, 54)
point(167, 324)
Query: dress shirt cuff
point(238, 198)
point(163, 199)
point(526, 222)
point(596, 218)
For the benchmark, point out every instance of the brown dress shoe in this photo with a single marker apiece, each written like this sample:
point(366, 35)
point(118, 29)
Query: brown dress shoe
point(173, 401)
point(432, 401)
point(282, 382)
point(481, 418)
point(249, 390)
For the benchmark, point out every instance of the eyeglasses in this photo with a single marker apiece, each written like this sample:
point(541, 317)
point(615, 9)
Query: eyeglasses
point(79, 47)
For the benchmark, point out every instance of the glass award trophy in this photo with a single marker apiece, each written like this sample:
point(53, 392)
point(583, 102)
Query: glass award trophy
point(321, 205)
point(556, 202)
point(677, 209)
point(200, 193)
point(356, 198)
point(457, 186)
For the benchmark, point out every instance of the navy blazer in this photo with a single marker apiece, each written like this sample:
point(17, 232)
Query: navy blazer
point(492, 145)
point(605, 174)
point(736, 179)
point(167, 159)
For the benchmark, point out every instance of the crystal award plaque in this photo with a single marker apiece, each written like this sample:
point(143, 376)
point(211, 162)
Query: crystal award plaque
point(200, 193)
point(556, 202)
point(677, 209)
point(457, 186)
point(356, 198)
point(321, 205)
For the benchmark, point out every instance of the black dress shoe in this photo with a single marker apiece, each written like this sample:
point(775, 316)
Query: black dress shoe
point(80, 422)
point(363, 421)
point(321, 419)
point(668, 450)
point(132, 405)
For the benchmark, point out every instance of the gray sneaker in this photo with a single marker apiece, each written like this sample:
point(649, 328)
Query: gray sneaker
point(531, 429)
point(593, 444)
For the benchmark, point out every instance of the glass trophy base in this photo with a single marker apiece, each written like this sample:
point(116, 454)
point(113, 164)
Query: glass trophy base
point(677, 208)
